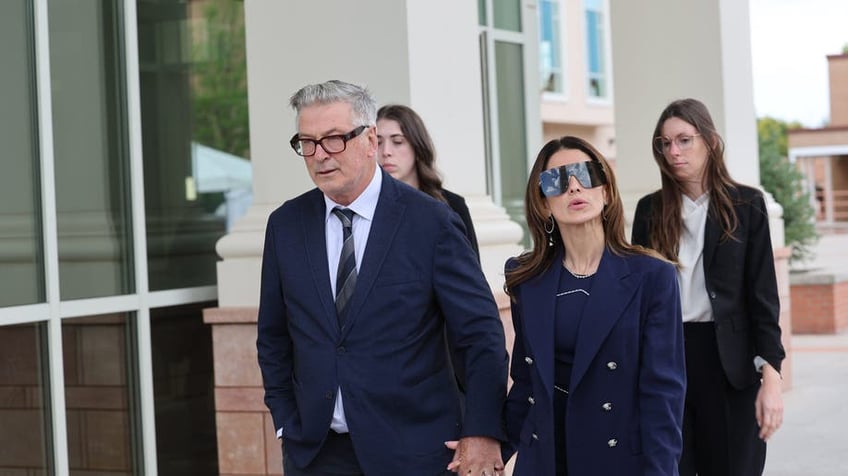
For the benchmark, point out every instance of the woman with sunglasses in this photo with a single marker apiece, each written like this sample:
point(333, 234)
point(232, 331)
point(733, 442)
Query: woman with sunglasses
point(597, 363)
point(717, 232)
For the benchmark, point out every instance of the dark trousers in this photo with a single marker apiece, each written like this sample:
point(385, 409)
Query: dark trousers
point(335, 458)
point(720, 431)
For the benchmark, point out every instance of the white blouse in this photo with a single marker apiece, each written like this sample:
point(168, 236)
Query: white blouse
point(690, 272)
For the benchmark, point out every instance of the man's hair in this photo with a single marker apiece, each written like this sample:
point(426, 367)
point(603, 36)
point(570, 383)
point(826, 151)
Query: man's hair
point(362, 103)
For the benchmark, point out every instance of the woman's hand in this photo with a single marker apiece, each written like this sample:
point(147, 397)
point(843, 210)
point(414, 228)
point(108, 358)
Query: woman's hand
point(769, 404)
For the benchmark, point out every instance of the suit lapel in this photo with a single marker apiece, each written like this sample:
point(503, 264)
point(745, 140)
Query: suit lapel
point(313, 224)
point(539, 313)
point(612, 291)
point(387, 218)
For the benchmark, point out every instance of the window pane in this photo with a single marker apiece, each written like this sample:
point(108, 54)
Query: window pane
point(481, 11)
point(549, 46)
point(507, 14)
point(21, 263)
point(24, 433)
point(100, 395)
point(91, 159)
point(512, 141)
point(197, 174)
point(183, 384)
point(595, 53)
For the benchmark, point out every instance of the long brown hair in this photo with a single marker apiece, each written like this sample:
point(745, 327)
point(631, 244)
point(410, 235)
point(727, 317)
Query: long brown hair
point(540, 257)
point(667, 218)
point(416, 134)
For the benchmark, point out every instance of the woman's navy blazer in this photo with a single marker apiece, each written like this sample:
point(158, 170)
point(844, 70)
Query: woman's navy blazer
point(626, 394)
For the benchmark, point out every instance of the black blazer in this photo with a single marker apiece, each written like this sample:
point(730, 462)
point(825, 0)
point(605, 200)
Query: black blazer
point(741, 283)
point(457, 203)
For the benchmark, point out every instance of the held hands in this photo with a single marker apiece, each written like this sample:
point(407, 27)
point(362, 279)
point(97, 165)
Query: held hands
point(769, 404)
point(476, 456)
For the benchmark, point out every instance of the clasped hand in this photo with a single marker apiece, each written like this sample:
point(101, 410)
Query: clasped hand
point(476, 456)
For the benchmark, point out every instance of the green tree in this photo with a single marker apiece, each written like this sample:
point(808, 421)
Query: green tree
point(784, 181)
point(219, 78)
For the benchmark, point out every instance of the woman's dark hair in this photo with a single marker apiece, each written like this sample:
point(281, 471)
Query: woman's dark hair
point(667, 218)
point(416, 134)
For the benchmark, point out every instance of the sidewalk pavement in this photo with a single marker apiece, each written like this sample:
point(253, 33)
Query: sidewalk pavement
point(812, 440)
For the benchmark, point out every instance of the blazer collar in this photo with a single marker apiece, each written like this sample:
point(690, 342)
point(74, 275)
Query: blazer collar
point(388, 216)
point(612, 291)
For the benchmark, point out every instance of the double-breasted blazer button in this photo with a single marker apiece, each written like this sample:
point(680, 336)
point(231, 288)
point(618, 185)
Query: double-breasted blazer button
point(531, 400)
point(612, 443)
point(607, 406)
point(712, 295)
point(534, 436)
point(528, 360)
point(612, 365)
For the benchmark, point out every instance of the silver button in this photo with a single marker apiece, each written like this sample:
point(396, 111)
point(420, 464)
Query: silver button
point(612, 443)
point(712, 295)
point(531, 400)
point(607, 406)
point(612, 365)
point(528, 360)
point(534, 436)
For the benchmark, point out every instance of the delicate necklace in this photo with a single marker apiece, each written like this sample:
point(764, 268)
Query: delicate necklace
point(577, 275)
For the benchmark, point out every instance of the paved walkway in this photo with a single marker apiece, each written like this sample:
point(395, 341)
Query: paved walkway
point(813, 440)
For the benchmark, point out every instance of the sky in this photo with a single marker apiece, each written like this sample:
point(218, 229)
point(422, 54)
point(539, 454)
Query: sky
point(790, 41)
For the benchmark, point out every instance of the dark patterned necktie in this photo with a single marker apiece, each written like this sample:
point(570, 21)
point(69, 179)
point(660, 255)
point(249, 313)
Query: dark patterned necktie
point(346, 275)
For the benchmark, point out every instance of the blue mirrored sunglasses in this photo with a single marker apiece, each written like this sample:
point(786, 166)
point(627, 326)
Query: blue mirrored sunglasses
point(554, 181)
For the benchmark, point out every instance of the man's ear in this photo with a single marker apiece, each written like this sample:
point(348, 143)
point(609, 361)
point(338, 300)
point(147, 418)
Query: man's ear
point(372, 141)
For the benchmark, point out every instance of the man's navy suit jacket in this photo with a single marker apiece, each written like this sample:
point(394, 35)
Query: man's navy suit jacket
point(418, 275)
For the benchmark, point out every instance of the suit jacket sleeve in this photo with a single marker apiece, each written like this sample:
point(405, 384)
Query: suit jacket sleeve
point(457, 203)
point(274, 345)
point(475, 328)
point(662, 375)
point(760, 278)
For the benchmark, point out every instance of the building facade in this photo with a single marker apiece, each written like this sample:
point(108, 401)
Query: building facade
point(130, 247)
point(822, 154)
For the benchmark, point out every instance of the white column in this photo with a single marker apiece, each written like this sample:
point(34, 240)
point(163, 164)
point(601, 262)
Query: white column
point(409, 52)
point(665, 50)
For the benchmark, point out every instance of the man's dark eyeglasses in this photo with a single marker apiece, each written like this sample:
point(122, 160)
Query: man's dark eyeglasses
point(331, 144)
point(554, 181)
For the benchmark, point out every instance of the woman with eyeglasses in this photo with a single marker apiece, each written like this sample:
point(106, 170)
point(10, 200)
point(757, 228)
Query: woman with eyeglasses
point(406, 152)
point(597, 363)
point(717, 232)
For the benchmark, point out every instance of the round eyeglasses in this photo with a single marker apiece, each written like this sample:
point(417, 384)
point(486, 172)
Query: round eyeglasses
point(683, 142)
point(331, 144)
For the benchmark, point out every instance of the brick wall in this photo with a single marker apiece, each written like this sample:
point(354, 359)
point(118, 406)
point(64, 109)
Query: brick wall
point(820, 304)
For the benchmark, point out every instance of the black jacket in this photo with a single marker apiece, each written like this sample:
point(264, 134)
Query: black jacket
point(741, 283)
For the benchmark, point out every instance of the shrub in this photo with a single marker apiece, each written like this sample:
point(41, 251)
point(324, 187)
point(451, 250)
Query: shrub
point(784, 181)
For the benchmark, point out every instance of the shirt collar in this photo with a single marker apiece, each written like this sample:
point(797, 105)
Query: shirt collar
point(366, 203)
